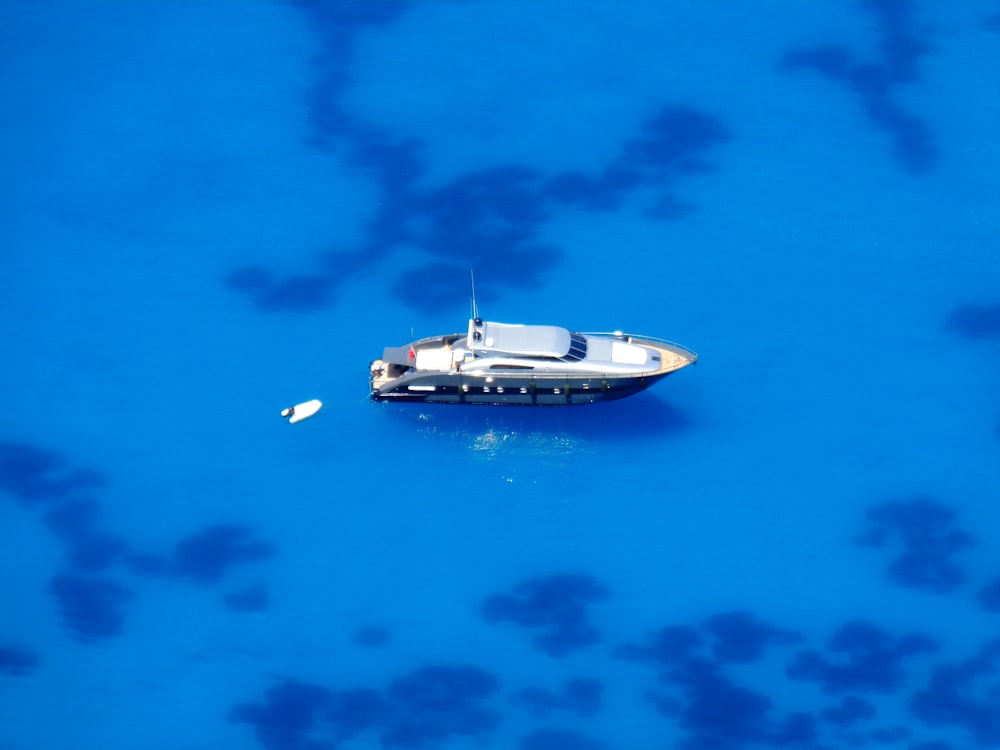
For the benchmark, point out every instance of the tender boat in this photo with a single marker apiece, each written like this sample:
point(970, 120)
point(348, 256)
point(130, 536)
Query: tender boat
point(302, 411)
point(527, 365)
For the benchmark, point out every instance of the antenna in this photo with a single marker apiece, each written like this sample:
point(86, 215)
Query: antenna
point(475, 307)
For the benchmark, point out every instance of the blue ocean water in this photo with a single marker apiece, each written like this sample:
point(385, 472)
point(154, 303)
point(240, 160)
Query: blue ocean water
point(211, 211)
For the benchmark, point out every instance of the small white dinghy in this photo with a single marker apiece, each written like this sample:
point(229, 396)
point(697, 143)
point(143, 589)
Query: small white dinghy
point(302, 411)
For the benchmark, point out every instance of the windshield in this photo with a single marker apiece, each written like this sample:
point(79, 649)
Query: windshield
point(577, 348)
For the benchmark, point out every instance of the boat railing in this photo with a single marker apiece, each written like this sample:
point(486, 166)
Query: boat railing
point(629, 337)
point(452, 338)
point(542, 375)
point(563, 376)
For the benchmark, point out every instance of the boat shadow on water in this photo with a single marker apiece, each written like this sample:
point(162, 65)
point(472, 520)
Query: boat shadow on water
point(641, 417)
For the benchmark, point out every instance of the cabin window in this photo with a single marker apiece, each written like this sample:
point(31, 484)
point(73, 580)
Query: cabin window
point(511, 367)
point(577, 348)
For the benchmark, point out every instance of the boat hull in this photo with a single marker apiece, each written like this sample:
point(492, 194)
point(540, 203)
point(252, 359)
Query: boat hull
point(527, 382)
point(456, 388)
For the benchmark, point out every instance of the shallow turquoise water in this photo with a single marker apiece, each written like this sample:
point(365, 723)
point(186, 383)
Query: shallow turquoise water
point(210, 214)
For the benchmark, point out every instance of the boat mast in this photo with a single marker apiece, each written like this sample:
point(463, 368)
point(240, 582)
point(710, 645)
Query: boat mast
point(475, 307)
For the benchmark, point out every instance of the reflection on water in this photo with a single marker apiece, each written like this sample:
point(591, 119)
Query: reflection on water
point(490, 443)
point(489, 440)
point(544, 432)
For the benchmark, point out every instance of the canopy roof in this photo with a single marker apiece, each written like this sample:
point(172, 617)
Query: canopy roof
point(523, 341)
point(397, 355)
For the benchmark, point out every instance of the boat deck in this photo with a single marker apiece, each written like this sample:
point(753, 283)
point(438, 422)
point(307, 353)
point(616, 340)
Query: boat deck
point(436, 355)
point(672, 356)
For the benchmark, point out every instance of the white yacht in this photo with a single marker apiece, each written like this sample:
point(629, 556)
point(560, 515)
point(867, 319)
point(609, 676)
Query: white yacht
point(528, 365)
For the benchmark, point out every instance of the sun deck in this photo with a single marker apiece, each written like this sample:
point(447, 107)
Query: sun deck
point(519, 340)
point(672, 356)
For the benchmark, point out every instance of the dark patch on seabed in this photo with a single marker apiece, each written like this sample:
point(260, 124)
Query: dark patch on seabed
point(559, 739)
point(75, 524)
point(253, 598)
point(580, 696)
point(489, 219)
point(989, 596)
point(372, 636)
point(964, 694)
point(206, 556)
point(715, 711)
point(851, 710)
point(698, 687)
point(874, 84)
point(861, 658)
point(437, 702)
point(975, 321)
point(94, 589)
point(34, 475)
point(694, 690)
point(92, 608)
point(554, 608)
point(17, 661)
point(927, 543)
point(422, 709)
point(923, 532)
point(991, 22)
